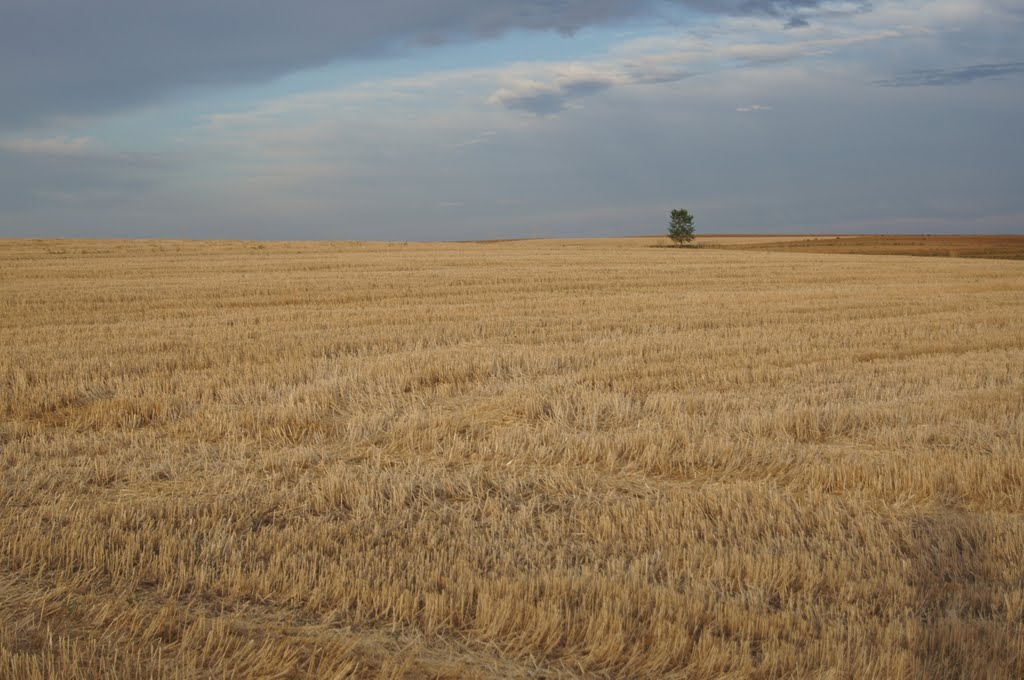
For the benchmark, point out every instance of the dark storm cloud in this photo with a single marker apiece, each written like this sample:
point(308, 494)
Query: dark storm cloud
point(69, 57)
point(766, 7)
point(956, 76)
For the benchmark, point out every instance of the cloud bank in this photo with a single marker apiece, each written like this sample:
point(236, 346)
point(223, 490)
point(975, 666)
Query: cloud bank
point(71, 174)
point(531, 135)
point(68, 57)
point(953, 76)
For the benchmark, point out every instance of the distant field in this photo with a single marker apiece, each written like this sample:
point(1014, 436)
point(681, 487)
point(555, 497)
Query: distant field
point(536, 458)
point(752, 239)
point(1007, 247)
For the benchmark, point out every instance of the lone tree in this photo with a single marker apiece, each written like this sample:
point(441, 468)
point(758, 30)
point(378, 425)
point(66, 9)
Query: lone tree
point(680, 227)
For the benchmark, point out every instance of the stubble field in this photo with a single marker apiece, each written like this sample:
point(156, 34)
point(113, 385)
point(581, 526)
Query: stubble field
point(520, 459)
point(1003, 246)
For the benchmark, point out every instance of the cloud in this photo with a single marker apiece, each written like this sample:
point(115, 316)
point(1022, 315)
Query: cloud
point(550, 97)
point(774, 8)
point(955, 76)
point(551, 88)
point(800, 17)
point(392, 156)
point(771, 52)
point(554, 87)
point(481, 138)
point(72, 58)
point(54, 146)
point(71, 173)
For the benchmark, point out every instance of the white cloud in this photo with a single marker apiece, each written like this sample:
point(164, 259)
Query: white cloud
point(670, 58)
point(550, 92)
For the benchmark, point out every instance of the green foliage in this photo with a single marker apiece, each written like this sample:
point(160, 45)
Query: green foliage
point(680, 227)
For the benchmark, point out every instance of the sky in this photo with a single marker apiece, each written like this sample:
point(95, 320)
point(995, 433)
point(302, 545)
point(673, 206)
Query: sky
point(477, 119)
